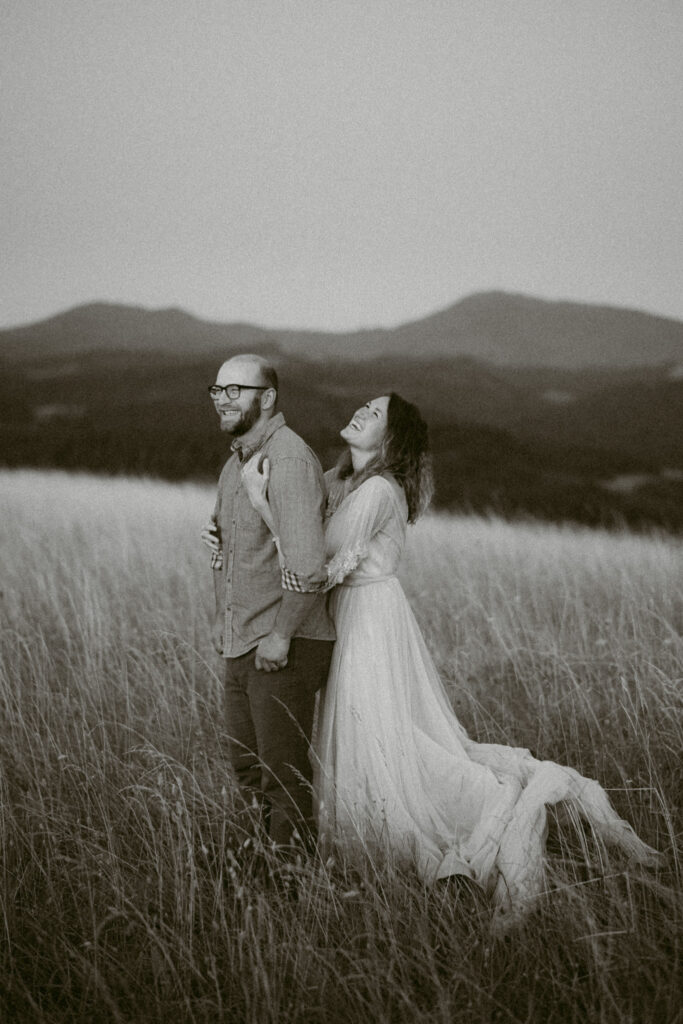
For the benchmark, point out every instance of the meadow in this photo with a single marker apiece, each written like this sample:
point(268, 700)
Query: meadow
point(129, 892)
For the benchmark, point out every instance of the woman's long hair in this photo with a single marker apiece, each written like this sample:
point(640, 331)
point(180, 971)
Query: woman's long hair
point(404, 454)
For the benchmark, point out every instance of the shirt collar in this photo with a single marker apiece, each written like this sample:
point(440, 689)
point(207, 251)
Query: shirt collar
point(245, 451)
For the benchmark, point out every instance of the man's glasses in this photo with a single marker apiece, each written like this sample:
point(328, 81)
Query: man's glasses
point(234, 390)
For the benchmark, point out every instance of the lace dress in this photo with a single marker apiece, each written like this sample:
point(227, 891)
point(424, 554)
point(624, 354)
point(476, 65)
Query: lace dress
point(393, 766)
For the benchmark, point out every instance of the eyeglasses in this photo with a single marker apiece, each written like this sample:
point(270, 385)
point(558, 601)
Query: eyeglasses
point(234, 390)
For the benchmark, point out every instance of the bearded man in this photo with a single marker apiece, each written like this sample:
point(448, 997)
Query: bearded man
point(271, 623)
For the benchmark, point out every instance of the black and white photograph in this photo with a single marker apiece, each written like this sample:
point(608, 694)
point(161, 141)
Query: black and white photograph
point(341, 512)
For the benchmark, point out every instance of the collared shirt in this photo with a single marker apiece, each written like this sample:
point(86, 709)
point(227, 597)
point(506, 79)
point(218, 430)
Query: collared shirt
point(252, 577)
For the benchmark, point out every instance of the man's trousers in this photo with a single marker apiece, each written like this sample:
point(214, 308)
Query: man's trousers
point(269, 720)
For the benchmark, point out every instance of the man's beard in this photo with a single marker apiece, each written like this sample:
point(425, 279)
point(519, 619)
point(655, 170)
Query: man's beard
point(246, 421)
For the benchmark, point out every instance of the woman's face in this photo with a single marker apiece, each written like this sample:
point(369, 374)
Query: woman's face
point(368, 425)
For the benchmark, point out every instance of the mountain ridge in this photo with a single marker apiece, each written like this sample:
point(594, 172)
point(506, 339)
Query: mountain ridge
point(499, 328)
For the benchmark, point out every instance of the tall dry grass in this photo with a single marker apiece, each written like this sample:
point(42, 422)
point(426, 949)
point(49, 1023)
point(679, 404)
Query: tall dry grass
point(129, 891)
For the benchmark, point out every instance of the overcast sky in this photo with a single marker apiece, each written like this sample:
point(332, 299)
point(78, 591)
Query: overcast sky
point(339, 163)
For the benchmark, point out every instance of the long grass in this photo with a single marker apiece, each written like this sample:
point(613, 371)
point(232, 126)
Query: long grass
point(129, 891)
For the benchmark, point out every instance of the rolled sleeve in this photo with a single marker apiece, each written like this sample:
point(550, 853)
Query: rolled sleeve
point(296, 497)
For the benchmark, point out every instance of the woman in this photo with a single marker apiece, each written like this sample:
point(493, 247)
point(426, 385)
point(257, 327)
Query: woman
point(395, 769)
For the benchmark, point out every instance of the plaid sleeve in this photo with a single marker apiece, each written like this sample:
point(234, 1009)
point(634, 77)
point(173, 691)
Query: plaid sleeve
point(299, 584)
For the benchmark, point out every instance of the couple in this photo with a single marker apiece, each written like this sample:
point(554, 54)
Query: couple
point(393, 767)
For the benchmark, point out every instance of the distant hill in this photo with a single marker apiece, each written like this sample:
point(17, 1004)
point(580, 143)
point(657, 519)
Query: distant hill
point(519, 330)
point(103, 327)
point(494, 327)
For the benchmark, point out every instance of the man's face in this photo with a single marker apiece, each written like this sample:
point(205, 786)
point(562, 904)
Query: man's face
point(238, 415)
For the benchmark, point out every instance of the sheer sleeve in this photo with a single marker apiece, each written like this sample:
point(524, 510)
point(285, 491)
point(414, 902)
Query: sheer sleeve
point(358, 519)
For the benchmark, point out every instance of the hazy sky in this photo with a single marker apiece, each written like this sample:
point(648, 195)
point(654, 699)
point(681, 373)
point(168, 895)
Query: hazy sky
point(339, 163)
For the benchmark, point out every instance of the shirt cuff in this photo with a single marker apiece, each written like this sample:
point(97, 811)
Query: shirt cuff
point(300, 584)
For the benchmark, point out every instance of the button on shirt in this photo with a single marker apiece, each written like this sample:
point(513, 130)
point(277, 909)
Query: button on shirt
point(253, 577)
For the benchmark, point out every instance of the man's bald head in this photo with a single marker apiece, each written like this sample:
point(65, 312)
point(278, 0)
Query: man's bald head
point(248, 368)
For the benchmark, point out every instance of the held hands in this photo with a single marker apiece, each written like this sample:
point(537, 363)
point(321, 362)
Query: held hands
point(271, 653)
point(255, 477)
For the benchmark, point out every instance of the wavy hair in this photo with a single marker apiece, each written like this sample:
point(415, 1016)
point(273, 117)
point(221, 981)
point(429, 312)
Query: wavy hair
point(404, 455)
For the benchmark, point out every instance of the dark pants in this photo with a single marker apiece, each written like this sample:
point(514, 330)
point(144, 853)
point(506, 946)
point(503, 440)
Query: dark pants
point(270, 719)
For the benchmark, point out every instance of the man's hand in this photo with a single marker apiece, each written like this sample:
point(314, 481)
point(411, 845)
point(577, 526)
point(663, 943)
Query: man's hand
point(271, 653)
point(217, 634)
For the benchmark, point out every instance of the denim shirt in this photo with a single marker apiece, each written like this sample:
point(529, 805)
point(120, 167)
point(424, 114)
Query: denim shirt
point(252, 577)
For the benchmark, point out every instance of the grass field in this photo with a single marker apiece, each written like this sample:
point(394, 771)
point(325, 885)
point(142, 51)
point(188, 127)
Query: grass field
point(126, 890)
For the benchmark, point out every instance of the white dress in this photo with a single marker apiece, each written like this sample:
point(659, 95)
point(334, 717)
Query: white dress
point(394, 768)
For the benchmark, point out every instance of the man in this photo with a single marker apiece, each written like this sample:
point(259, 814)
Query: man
point(271, 623)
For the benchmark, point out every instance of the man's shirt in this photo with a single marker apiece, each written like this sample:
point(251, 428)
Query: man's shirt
point(252, 577)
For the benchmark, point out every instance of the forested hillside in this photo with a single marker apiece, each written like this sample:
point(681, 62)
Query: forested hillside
point(500, 443)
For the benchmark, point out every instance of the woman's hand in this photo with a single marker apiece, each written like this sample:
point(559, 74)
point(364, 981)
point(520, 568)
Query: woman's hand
point(255, 477)
point(210, 536)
